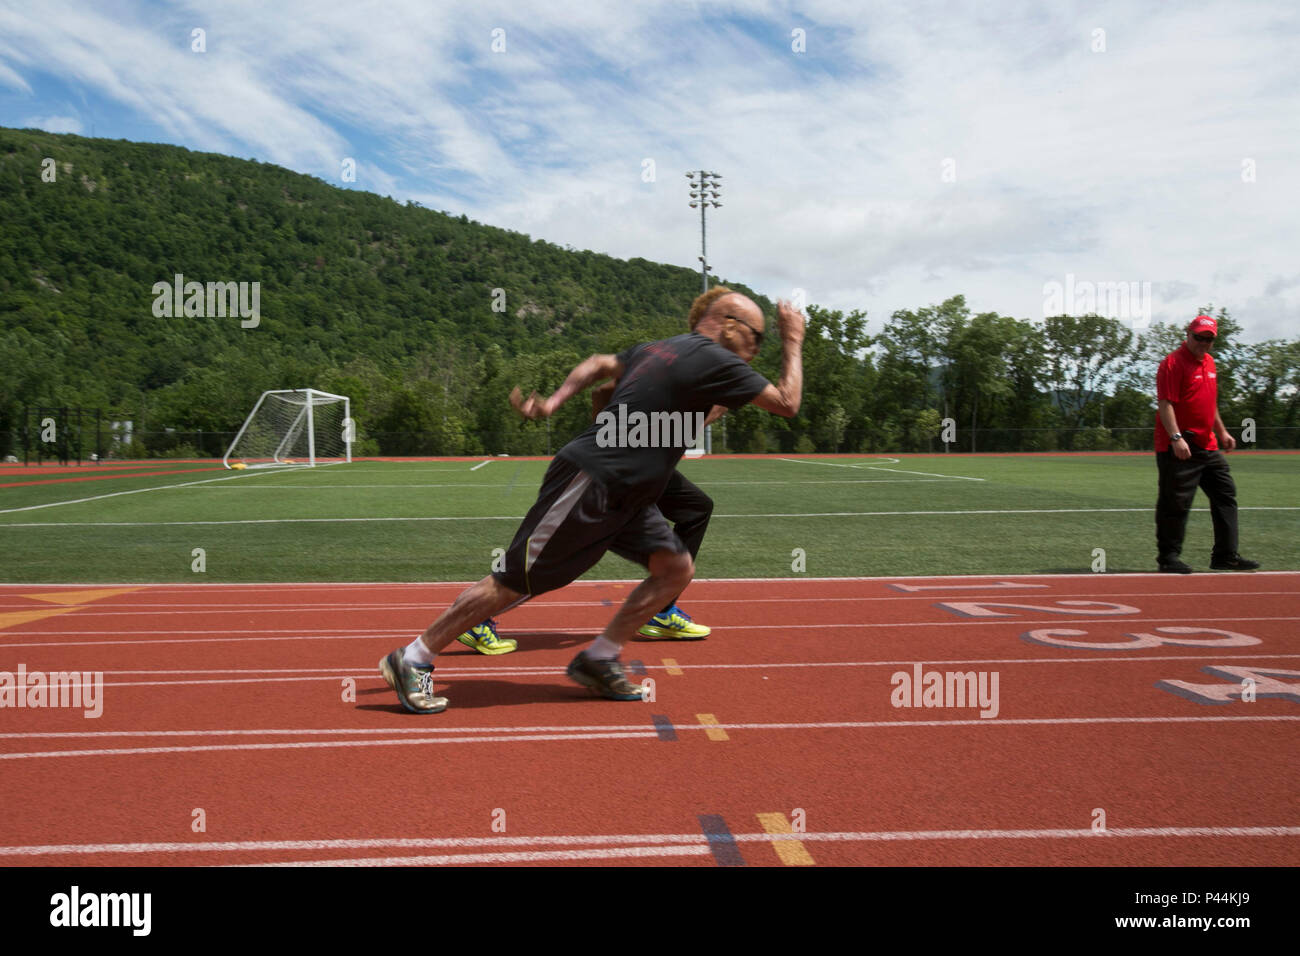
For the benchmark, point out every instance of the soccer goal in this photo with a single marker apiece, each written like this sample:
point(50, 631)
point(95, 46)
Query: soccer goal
point(296, 426)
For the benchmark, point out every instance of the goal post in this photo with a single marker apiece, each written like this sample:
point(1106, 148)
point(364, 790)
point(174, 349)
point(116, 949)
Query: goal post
point(294, 426)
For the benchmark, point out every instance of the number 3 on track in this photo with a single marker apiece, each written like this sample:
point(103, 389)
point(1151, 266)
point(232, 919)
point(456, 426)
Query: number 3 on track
point(1175, 636)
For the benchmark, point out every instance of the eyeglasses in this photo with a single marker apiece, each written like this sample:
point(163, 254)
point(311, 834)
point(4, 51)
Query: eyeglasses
point(758, 336)
point(1203, 338)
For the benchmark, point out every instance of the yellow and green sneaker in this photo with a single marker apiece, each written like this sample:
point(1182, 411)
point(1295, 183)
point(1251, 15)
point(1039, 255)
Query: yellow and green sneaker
point(674, 624)
point(485, 639)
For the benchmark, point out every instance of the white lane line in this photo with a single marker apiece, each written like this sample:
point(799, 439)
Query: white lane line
point(477, 737)
point(639, 839)
point(373, 633)
point(486, 461)
point(564, 729)
point(135, 491)
point(453, 674)
point(335, 586)
point(867, 837)
point(462, 859)
point(783, 514)
point(980, 722)
point(430, 843)
point(126, 608)
point(315, 745)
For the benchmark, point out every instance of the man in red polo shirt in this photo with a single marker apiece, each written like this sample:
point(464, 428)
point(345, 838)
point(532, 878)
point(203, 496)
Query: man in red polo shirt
point(1189, 434)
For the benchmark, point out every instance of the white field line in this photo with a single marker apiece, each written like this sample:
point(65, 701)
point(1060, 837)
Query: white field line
point(504, 484)
point(128, 609)
point(346, 634)
point(639, 839)
point(904, 471)
point(486, 461)
point(140, 491)
point(789, 514)
point(476, 736)
point(453, 673)
point(801, 461)
point(597, 582)
point(828, 464)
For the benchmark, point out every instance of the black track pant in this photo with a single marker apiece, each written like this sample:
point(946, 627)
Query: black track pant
point(1179, 480)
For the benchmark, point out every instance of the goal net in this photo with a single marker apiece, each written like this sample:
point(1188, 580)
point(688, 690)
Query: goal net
point(299, 426)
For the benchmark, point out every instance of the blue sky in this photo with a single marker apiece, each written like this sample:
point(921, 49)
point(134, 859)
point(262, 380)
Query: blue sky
point(910, 152)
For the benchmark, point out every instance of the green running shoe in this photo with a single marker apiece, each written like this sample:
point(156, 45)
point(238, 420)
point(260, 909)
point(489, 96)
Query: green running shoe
point(674, 624)
point(485, 639)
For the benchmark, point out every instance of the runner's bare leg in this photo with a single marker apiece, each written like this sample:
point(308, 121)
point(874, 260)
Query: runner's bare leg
point(670, 572)
point(475, 605)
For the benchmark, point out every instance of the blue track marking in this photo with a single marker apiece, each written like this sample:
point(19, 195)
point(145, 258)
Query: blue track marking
point(721, 842)
point(664, 727)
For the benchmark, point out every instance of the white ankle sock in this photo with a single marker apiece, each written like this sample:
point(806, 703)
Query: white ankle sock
point(417, 654)
point(603, 649)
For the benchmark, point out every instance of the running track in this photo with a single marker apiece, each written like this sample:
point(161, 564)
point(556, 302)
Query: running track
point(775, 742)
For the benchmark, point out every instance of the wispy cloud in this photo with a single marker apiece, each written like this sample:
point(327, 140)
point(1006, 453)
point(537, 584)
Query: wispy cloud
point(908, 153)
point(55, 124)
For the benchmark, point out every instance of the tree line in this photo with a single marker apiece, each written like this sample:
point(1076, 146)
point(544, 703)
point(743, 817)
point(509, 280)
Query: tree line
point(427, 320)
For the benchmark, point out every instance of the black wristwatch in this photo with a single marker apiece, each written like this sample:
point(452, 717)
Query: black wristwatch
point(1176, 436)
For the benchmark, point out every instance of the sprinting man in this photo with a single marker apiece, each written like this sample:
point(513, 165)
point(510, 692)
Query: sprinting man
point(599, 492)
point(682, 503)
point(689, 510)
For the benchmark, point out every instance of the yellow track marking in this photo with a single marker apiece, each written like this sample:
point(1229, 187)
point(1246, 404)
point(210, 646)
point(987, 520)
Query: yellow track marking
point(790, 852)
point(711, 727)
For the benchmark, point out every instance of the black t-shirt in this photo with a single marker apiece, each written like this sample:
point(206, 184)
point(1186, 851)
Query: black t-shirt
point(658, 411)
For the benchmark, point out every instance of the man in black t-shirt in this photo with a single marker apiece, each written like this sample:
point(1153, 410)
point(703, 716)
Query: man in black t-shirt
point(682, 503)
point(599, 492)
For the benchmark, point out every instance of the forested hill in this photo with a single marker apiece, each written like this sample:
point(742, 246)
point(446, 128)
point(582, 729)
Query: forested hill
point(345, 276)
point(427, 320)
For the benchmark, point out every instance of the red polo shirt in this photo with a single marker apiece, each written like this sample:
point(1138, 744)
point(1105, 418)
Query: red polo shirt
point(1190, 384)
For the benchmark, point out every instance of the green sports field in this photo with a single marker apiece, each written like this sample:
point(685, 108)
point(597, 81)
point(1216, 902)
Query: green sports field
point(440, 520)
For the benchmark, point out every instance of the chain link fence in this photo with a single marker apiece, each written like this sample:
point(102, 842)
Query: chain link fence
point(80, 435)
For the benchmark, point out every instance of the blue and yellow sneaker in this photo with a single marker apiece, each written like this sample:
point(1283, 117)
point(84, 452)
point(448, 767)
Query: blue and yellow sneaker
point(675, 624)
point(485, 639)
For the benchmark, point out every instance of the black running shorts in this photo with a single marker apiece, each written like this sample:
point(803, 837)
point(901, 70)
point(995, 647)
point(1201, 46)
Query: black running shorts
point(573, 524)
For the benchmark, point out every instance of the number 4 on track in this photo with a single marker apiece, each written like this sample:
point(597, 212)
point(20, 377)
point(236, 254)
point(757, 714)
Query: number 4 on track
point(1268, 681)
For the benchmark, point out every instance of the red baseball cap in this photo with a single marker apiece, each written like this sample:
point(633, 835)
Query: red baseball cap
point(1203, 323)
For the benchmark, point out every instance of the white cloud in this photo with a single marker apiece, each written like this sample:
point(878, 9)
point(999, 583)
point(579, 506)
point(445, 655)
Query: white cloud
point(1123, 165)
point(54, 124)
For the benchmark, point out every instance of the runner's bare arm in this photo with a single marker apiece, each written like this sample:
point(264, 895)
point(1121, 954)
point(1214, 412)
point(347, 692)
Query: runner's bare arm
point(594, 369)
point(785, 397)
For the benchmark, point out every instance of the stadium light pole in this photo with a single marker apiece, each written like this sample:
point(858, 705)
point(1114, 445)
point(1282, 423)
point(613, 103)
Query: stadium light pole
point(706, 187)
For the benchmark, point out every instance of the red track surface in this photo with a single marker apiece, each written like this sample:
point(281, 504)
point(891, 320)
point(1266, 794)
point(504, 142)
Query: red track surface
point(231, 700)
